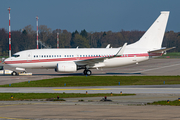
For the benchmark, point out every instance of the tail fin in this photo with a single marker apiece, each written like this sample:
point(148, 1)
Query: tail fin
point(153, 37)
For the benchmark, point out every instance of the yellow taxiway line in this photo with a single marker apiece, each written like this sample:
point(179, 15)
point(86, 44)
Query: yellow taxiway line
point(8, 105)
point(13, 118)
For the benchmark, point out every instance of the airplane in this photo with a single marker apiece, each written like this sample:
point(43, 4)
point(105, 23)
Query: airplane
point(70, 60)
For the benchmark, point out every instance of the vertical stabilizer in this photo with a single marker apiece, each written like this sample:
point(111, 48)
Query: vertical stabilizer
point(153, 37)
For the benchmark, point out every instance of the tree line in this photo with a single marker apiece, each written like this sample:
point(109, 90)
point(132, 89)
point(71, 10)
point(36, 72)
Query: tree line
point(26, 39)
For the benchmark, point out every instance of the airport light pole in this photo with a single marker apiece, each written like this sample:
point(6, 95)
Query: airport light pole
point(9, 34)
point(37, 30)
point(57, 40)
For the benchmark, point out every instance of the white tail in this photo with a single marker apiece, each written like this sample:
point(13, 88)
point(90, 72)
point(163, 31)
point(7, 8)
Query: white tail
point(152, 39)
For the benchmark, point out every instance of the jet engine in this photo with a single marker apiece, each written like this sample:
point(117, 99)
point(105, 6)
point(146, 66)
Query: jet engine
point(66, 67)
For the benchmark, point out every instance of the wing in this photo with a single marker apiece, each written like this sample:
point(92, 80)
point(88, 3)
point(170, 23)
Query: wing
point(101, 59)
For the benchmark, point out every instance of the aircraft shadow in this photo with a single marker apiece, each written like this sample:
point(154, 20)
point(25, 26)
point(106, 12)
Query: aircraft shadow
point(81, 74)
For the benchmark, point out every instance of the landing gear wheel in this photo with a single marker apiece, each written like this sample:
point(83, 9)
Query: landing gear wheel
point(14, 73)
point(87, 72)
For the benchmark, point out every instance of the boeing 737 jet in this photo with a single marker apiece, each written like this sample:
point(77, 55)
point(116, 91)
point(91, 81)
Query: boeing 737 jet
point(73, 59)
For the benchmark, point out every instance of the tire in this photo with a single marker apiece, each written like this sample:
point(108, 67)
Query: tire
point(88, 72)
point(85, 72)
point(14, 73)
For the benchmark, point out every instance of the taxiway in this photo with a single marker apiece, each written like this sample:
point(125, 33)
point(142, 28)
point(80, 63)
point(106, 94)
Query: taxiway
point(124, 107)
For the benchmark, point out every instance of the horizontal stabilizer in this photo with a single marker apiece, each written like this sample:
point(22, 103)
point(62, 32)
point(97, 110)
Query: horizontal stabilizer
point(161, 50)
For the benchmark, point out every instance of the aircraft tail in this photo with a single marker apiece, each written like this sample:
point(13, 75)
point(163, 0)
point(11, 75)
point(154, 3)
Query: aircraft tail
point(152, 39)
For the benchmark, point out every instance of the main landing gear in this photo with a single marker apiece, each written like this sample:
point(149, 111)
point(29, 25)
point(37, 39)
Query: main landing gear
point(87, 72)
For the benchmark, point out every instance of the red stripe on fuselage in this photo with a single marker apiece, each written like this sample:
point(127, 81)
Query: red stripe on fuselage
point(69, 59)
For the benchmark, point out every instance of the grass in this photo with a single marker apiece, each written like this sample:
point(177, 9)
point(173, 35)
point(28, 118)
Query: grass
point(172, 103)
point(31, 96)
point(3, 56)
point(173, 54)
point(99, 81)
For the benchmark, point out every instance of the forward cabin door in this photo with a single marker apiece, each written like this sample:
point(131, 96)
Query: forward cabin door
point(29, 56)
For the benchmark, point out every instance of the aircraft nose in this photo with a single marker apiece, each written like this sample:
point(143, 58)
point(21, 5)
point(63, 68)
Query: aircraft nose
point(5, 61)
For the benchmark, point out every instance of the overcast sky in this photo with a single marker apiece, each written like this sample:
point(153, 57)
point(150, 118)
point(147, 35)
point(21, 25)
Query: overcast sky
point(91, 15)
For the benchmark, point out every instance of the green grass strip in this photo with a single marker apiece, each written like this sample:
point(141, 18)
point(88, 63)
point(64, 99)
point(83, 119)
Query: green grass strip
point(31, 96)
point(171, 103)
point(173, 54)
point(99, 81)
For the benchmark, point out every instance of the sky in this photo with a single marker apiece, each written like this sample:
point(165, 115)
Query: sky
point(91, 15)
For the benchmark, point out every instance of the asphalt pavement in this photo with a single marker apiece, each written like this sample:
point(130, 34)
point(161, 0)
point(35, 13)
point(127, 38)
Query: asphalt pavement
point(123, 107)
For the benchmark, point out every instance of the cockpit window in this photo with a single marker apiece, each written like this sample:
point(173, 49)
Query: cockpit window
point(15, 56)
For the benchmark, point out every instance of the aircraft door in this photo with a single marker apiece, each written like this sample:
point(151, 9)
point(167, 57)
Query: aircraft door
point(29, 56)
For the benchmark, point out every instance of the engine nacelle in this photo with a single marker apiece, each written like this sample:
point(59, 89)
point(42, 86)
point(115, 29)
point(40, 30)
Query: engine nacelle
point(66, 67)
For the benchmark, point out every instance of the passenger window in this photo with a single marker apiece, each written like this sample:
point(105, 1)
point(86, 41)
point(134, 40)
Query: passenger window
point(54, 55)
point(34, 56)
point(44, 55)
point(72, 55)
point(49, 55)
point(64, 55)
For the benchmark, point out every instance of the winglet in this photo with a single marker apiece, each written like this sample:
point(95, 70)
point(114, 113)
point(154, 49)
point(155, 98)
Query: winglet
point(121, 50)
point(108, 46)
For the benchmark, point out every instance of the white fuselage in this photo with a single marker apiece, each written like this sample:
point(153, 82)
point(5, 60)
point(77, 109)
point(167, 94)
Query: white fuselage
point(48, 58)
